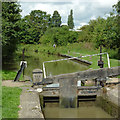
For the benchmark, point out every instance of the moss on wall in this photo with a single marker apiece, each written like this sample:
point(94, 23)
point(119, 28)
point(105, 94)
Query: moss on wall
point(108, 107)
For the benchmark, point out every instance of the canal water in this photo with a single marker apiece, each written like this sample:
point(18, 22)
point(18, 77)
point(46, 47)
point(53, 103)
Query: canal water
point(36, 61)
point(52, 110)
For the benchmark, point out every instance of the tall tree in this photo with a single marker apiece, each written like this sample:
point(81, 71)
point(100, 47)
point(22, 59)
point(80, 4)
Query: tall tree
point(56, 19)
point(10, 28)
point(59, 35)
point(34, 25)
point(70, 20)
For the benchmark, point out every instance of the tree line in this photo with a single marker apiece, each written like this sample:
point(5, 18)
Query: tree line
point(104, 31)
point(41, 28)
point(29, 29)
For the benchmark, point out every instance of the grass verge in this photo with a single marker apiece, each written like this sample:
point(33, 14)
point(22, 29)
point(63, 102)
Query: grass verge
point(71, 49)
point(9, 75)
point(10, 102)
point(75, 49)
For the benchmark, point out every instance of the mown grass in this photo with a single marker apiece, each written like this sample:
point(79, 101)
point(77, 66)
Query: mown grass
point(10, 102)
point(95, 59)
point(9, 75)
point(76, 49)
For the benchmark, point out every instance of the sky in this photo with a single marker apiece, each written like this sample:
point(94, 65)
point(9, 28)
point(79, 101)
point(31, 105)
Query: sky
point(83, 10)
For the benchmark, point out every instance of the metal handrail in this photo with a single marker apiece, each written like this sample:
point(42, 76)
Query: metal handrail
point(74, 58)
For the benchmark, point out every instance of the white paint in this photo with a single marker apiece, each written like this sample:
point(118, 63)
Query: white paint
point(44, 70)
point(108, 60)
point(79, 83)
point(24, 62)
point(39, 90)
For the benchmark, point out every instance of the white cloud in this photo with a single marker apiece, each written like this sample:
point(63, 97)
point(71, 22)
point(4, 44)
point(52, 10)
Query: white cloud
point(93, 18)
point(83, 10)
point(82, 24)
point(64, 24)
point(107, 2)
point(44, 7)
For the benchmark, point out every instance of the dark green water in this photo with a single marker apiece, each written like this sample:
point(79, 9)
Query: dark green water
point(37, 59)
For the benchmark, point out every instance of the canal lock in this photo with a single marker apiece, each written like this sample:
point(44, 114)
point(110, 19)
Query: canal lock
point(50, 103)
point(95, 106)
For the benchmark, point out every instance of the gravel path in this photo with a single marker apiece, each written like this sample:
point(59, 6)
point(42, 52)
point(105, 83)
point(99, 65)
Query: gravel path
point(11, 83)
point(30, 104)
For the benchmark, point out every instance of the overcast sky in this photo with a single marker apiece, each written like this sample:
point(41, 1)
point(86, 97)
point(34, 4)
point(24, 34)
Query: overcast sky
point(83, 10)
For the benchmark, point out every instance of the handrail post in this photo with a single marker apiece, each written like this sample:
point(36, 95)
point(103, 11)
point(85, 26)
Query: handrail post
point(44, 70)
point(108, 60)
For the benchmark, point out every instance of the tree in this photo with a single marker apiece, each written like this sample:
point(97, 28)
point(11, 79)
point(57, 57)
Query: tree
point(59, 36)
point(105, 32)
point(10, 28)
point(117, 9)
point(56, 19)
point(33, 26)
point(70, 20)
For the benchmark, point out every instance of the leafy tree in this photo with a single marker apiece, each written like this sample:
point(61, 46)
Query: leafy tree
point(117, 9)
point(59, 35)
point(10, 28)
point(25, 33)
point(70, 20)
point(103, 32)
point(0, 25)
point(56, 19)
point(33, 26)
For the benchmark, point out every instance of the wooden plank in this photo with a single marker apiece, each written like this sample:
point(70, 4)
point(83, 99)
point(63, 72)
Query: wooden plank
point(88, 74)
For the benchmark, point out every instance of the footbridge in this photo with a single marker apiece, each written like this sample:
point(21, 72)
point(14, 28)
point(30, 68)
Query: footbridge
point(85, 75)
point(68, 83)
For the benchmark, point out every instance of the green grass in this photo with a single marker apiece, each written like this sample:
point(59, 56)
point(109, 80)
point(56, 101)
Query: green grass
point(82, 48)
point(10, 102)
point(9, 75)
point(76, 47)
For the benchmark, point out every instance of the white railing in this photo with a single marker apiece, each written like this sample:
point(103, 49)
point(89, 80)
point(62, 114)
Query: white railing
point(96, 55)
point(54, 61)
point(44, 72)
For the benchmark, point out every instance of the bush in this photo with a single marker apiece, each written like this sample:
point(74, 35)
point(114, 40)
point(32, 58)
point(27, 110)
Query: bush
point(59, 36)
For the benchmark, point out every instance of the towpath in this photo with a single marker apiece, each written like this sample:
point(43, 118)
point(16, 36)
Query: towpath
point(29, 99)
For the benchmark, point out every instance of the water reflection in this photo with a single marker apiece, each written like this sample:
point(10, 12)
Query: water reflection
point(37, 60)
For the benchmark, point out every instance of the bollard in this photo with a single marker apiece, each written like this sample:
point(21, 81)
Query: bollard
point(37, 75)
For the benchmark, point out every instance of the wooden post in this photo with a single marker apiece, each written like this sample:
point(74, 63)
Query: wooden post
point(100, 62)
point(100, 52)
point(23, 56)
